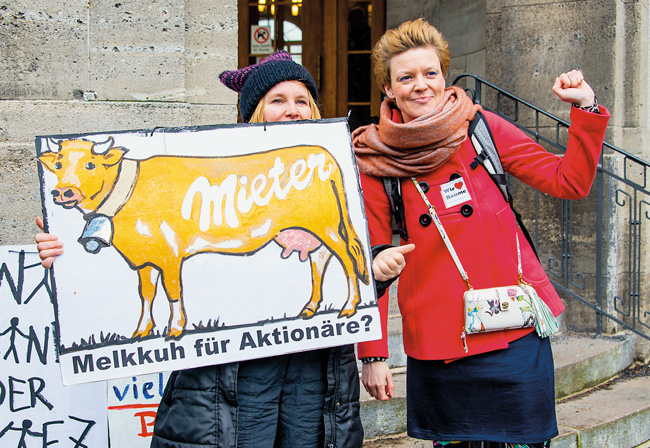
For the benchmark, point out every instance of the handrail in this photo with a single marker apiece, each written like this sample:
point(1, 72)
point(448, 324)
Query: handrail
point(481, 81)
point(609, 279)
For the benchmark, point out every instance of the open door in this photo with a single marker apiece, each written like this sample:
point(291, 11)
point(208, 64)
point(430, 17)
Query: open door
point(333, 39)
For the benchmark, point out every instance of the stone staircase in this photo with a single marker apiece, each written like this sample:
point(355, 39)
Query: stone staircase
point(603, 397)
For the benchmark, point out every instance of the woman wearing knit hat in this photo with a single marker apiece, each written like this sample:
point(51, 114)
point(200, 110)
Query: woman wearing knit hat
point(255, 81)
point(308, 399)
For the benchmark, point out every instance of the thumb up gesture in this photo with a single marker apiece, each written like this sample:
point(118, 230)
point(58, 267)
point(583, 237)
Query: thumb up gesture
point(390, 262)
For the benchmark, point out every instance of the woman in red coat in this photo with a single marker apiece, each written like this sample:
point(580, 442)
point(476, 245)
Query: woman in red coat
point(499, 388)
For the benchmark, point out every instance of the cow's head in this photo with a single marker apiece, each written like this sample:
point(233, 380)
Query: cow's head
point(86, 171)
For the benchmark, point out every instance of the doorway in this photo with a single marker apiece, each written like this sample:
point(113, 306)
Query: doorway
point(331, 38)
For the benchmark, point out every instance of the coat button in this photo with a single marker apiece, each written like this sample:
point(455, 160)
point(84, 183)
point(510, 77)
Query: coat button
point(424, 186)
point(425, 219)
point(231, 395)
point(454, 177)
point(466, 210)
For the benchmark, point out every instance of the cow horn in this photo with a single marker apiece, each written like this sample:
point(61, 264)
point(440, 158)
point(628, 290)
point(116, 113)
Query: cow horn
point(101, 148)
point(50, 148)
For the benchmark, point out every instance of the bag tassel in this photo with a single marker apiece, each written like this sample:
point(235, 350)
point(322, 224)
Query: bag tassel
point(546, 323)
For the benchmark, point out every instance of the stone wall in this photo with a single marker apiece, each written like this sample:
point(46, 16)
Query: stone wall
point(140, 65)
point(530, 42)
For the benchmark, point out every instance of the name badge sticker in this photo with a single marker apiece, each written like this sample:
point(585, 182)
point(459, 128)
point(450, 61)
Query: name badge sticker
point(455, 192)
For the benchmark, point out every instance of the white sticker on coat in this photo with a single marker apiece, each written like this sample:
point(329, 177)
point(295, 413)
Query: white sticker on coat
point(455, 192)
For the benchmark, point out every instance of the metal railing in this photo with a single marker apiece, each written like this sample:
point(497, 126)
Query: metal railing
point(593, 250)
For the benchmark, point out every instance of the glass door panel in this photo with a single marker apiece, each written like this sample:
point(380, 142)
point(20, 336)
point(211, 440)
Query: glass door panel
point(333, 39)
point(284, 19)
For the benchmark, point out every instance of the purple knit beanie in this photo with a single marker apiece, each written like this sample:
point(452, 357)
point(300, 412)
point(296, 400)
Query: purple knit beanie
point(255, 80)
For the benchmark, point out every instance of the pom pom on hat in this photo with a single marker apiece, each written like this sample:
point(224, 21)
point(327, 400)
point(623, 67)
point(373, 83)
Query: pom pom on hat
point(255, 80)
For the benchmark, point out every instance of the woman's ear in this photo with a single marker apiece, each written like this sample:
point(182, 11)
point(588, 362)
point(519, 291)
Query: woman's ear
point(389, 92)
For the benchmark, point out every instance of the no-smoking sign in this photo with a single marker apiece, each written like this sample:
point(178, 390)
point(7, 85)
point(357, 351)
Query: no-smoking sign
point(261, 42)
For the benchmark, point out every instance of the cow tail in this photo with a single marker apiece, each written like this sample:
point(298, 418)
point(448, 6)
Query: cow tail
point(352, 242)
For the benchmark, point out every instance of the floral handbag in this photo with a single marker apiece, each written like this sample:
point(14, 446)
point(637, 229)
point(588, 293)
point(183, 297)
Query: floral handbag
point(499, 308)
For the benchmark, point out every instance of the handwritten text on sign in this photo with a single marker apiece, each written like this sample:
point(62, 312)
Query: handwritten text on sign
point(132, 406)
point(35, 408)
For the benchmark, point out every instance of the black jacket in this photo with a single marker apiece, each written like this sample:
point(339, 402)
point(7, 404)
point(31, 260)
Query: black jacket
point(199, 406)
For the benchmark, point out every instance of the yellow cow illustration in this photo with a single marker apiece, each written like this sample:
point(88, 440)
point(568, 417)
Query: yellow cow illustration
point(160, 211)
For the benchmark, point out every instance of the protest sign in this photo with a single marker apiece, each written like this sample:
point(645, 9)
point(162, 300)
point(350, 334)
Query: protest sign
point(35, 408)
point(132, 406)
point(196, 246)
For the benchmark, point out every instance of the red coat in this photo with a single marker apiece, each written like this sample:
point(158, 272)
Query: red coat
point(482, 231)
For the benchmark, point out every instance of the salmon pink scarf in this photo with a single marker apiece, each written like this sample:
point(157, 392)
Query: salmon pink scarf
point(400, 149)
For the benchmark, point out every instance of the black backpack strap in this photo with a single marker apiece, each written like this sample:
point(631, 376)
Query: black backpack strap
point(394, 193)
point(478, 160)
point(487, 155)
point(481, 137)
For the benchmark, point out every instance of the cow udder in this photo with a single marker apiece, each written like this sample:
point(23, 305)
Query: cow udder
point(297, 240)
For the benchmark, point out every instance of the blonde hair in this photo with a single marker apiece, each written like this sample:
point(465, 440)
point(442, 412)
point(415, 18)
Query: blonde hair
point(258, 113)
point(413, 34)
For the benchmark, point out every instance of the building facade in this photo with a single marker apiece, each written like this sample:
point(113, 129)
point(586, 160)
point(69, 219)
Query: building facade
point(70, 67)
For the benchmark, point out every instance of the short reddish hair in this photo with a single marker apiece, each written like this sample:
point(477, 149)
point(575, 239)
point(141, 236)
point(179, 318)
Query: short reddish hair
point(413, 34)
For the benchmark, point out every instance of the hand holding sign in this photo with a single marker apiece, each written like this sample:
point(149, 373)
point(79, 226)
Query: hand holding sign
point(48, 245)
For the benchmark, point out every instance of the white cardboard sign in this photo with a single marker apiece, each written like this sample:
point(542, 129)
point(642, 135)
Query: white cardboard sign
point(132, 407)
point(35, 408)
point(196, 246)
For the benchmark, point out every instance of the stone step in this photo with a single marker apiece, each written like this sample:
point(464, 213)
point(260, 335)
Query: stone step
point(616, 415)
point(397, 441)
point(581, 362)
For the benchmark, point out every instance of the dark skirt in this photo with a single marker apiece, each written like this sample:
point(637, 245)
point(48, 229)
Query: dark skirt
point(501, 396)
